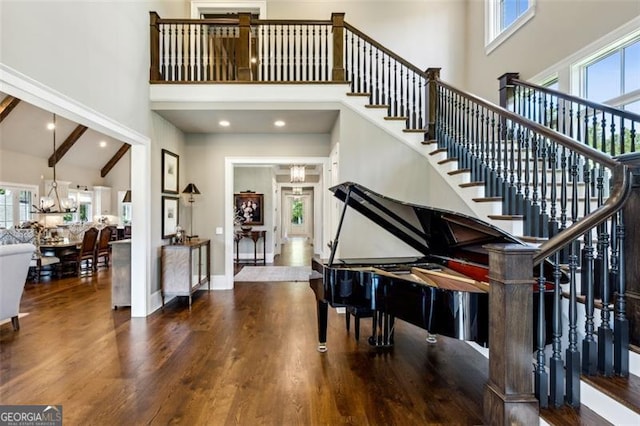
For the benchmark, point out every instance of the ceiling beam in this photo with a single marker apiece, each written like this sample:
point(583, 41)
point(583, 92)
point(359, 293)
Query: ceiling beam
point(7, 105)
point(66, 145)
point(114, 160)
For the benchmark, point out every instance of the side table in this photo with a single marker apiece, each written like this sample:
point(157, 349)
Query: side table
point(254, 236)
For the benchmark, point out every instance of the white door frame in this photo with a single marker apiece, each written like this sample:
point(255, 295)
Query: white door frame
point(230, 163)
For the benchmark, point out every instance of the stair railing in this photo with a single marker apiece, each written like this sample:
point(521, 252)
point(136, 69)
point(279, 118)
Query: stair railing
point(535, 169)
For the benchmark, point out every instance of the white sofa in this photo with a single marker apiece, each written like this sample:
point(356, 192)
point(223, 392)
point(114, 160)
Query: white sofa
point(14, 266)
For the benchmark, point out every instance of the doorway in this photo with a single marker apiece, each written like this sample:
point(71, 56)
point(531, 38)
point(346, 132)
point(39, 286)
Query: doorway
point(297, 217)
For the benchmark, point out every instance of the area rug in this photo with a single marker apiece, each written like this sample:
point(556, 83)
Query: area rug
point(273, 273)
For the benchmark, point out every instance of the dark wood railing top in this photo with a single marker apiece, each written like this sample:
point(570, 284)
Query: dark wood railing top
point(587, 151)
point(385, 50)
point(595, 105)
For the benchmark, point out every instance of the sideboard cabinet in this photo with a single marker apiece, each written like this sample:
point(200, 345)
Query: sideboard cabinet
point(185, 268)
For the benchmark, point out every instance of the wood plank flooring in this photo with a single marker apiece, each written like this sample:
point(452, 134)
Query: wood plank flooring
point(245, 356)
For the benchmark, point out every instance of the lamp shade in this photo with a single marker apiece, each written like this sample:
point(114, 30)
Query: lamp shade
point(191, 189)
point(127, 197)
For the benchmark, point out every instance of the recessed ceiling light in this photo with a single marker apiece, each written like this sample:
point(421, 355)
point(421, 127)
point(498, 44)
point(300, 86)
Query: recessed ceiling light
point(224, 123)
point(103, 144)
point(279, 123)
point(51, 126)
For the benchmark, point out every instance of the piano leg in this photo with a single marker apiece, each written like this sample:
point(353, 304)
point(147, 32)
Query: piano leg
point(322, 325)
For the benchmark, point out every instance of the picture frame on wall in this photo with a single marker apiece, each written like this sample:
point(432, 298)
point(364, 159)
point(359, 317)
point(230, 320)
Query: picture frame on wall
point(250, 206)
point(170, 211)
point(170, 172)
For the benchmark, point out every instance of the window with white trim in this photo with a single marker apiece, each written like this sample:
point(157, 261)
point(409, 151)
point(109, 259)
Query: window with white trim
point(505, 17)
point(613, 77)
point(15, 204)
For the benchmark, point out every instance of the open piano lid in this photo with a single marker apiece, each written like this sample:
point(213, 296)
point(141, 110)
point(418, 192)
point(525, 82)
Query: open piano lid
point(429, 230)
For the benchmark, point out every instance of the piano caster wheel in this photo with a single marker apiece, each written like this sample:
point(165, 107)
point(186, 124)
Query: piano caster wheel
point(431, 338)
point(322, 347)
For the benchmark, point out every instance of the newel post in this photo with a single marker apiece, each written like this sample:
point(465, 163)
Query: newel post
point(243, 50)
point(433, 75)
point(337, 21)
point(154, 47)
point(508, 395)
point(506, 87)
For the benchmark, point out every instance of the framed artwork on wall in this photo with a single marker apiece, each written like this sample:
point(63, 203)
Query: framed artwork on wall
point(170, 172)
point(249, 206)
point(169, 216)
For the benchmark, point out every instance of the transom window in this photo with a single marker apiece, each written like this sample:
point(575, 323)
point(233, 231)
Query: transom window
point(505, 17)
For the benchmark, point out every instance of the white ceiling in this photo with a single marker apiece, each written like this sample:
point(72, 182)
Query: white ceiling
point(24, 130)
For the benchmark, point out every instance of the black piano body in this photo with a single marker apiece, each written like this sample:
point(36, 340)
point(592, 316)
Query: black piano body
point(444, 290)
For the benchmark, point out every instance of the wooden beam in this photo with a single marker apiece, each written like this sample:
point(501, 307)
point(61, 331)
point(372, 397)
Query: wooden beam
point(114, 160)
point(7, 105)
point(66, 145)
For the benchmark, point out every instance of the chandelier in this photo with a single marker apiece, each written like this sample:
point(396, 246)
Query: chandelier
point(47, 204)
point(297, 173)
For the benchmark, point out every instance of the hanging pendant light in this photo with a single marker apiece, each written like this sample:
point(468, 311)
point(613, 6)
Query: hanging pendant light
point(49, 203)
point(297, 173)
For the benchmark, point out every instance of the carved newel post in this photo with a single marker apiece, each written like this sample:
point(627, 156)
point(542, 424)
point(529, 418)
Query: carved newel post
point(508, 395)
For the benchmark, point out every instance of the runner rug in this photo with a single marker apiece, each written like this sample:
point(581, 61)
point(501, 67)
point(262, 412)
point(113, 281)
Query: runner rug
point(273, 273)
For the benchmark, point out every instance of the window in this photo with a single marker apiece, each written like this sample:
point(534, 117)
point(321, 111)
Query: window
point(124, 209)
point(614, 76)
point(15, 204)
point(297, 210)
point(84, 201)
point(505, 17)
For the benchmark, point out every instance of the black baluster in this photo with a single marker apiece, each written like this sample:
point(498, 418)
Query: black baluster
point(553, 162)
point(376, 93)
point(520, 197)
point(572, 354)
point(589, 348)
point(396, 113)
point(540, 373)
point(556, 366)
point(534, 211)
point(413, 102)
point(543, 221)
point(621, 324)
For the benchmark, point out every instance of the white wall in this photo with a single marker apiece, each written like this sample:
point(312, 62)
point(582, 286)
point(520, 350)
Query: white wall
point(259, 180)
point(558, 29)
point(373, 158)
point(205, 155)
point(96, 53)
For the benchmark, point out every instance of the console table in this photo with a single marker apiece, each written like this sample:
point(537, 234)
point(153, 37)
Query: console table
point(185, 268)
point(254, 236)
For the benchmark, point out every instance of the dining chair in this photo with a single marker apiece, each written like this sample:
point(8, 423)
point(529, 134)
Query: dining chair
point(103, 250)
point(86, 254)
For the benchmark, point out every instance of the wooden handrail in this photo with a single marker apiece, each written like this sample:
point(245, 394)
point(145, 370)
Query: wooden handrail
point(290, 22)
point(587, 151)
point(595, 105)
point(384, 49)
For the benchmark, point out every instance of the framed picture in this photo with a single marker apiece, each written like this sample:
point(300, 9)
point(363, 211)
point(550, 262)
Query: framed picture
point(169, 172)
point(249, 205)
point(169, 216)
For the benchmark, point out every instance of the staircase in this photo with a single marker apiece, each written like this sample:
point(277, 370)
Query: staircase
point(557, 182)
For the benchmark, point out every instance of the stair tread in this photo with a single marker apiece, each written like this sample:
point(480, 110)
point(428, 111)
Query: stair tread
point(487, 199)
point(506, 217)
point(358, 94)
point(438, 151)
point(567, 416)
point(376, 106)
point(395, 118)
point(448, 160)
point(429, 142)
point(414, 130)
point(470, 184)
point(459, 171)
point(625, 390)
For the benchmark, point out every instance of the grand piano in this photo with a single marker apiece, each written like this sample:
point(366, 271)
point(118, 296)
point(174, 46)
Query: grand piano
point(443, 289)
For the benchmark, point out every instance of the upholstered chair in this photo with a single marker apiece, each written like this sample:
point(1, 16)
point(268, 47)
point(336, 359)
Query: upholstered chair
point(14, 264)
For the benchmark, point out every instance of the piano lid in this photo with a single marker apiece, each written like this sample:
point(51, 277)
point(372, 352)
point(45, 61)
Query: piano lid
point(429, 230)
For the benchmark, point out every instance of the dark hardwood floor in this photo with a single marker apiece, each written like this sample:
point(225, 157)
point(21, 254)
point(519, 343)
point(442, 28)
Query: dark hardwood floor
point(244, 356)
